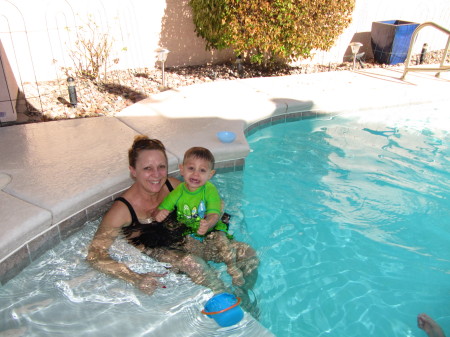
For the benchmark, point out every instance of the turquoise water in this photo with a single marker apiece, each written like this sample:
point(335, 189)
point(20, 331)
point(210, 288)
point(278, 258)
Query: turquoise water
point(351, 220)
point(349, 215)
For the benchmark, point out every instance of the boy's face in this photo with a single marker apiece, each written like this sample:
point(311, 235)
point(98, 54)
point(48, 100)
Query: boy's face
point(196, 172)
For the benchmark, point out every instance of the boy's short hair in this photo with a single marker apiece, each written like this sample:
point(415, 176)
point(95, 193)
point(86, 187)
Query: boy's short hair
point(201, 153)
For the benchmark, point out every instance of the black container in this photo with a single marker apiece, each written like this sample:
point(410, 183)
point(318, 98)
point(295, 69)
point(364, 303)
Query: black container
point(390, 40)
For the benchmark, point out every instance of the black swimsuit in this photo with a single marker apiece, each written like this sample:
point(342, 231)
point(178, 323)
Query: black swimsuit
point(168, 233)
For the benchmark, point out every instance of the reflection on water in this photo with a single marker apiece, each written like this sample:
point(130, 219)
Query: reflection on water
point(351, 218)
point(388, 176)
point(60, 294)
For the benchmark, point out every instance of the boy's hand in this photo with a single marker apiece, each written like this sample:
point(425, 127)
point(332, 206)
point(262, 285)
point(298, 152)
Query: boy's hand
point(207, 223)
point(161, 215)
point(203, 228)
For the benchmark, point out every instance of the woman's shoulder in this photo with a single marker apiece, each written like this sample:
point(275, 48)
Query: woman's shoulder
point(118, 215)
point(174, 181)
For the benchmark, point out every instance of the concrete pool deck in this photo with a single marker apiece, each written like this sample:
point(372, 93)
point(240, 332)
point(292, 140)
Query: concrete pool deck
point(55, 176)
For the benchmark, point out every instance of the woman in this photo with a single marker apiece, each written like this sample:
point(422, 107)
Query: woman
point(132, 216)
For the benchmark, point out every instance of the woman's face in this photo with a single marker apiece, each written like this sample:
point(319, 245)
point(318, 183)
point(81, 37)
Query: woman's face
point(151, 170)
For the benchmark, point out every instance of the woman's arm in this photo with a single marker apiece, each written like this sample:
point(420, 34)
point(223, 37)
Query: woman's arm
point(109, 229)
point(98, 254)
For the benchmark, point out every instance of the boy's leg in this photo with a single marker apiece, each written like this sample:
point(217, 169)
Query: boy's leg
point(247, 261)
point(226, 253)
point(193, 266)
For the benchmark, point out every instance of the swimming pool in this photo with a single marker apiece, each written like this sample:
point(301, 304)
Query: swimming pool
point(349, 216)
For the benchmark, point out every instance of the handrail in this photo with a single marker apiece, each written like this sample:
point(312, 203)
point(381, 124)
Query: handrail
point(431, 68)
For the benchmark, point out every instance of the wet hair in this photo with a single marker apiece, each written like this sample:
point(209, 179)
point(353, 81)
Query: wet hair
point(142, 142)
point(201, 153)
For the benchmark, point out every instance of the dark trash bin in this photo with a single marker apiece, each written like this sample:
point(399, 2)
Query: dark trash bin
point(390, 40)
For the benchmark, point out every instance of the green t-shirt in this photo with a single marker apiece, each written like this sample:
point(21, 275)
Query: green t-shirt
point(189, 204)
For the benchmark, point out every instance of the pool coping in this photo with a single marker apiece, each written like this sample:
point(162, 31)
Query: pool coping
point(180, 118)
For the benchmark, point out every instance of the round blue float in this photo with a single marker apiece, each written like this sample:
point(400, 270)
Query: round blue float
point(225, 309)
point(226, 136)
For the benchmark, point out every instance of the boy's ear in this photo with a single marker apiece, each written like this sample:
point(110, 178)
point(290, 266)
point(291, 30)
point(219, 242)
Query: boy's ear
point(212, 173)
point(180, 166)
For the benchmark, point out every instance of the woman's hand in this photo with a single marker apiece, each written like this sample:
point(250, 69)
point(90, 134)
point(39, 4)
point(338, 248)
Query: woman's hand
point(148, 283)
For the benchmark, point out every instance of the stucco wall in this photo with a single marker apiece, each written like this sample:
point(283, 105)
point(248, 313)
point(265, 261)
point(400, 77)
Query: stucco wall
point(368, 11)
point(37, 35)
point(9, 89)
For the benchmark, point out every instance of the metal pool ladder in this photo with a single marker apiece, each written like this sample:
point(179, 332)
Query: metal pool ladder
point(432, 67)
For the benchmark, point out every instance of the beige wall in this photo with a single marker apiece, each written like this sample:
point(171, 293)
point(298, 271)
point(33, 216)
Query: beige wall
point(36, 34)
point(9, 89)
point(368, 11)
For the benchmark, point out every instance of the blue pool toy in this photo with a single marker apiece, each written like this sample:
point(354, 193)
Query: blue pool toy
point(226, 136)
point(225, 309)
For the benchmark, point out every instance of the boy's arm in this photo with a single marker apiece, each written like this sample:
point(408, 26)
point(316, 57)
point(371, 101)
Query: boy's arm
point(168, 204)
point(213, 207)
point(161, 215)
point(213, 201)
point(171, 199)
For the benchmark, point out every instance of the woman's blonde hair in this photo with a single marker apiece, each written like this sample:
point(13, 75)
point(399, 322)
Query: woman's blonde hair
point(142, 142)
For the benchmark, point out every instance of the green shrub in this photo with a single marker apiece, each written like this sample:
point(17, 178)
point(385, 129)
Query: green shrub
point(267, 30)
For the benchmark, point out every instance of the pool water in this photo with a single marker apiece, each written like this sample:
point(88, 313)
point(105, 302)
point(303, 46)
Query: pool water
point(350, 218)
point(60, 294)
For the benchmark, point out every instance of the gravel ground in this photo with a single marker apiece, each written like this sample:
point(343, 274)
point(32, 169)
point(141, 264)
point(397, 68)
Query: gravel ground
point(48, 101)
